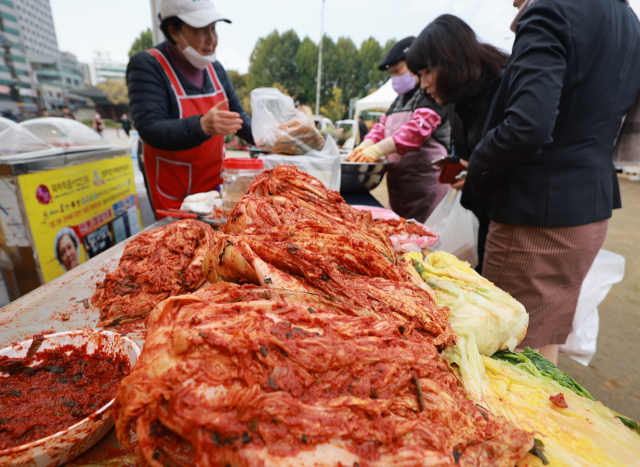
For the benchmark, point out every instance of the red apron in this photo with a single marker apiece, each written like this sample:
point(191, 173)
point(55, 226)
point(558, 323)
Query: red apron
point(173, 175)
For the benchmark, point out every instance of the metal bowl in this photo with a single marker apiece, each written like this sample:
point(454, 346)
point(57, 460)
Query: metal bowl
point(255, 152)
point(360, 177)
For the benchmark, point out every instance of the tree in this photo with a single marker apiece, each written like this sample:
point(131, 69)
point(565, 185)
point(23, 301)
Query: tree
point(307, 61)
point(370, 54)
point(349, 67)
point(143, 42)
point(280, 87)
point(292, 65)
point(239, 83)
point(334, 109)
point(116, 91)
point(274, 60)
point(330, 71)
point(390, 43)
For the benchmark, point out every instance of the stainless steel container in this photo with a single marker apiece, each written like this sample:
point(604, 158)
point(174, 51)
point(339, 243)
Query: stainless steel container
point(360, 177)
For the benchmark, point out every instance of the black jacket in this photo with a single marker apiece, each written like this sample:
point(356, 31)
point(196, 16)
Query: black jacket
point(154, 107)
point(470, 117)
point(546, 159)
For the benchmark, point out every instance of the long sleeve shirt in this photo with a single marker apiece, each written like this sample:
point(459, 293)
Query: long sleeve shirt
point(412, 134)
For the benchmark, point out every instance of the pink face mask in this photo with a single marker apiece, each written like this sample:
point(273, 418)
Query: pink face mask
point(404, 83)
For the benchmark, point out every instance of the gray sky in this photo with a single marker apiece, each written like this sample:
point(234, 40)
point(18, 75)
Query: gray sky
point(88, 25)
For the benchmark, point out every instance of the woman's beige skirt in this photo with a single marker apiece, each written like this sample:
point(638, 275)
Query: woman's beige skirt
point(543, 268)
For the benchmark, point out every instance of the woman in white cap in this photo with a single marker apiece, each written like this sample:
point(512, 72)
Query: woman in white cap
point(183, 104)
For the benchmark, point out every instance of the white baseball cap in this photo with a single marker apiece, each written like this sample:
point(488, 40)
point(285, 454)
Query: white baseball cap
point(196, 13)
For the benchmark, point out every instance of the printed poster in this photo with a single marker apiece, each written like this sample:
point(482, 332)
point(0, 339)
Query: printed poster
point(76, 213)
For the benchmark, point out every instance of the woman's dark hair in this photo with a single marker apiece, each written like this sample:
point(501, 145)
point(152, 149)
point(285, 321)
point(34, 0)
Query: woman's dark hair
point(463, 63)
point(164, 26)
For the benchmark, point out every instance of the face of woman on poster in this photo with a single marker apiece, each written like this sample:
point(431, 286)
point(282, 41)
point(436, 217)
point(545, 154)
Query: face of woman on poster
point(428, 80)
point(68, 252)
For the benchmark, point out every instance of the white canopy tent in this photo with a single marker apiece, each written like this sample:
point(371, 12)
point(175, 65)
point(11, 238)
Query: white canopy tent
point(381, 100)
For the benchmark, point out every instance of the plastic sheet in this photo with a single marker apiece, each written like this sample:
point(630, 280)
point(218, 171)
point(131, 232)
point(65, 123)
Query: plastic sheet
point(457, 228)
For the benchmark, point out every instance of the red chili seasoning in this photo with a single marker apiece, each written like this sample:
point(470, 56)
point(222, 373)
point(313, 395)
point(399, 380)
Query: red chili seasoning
point(559, 401)
point(60, 391)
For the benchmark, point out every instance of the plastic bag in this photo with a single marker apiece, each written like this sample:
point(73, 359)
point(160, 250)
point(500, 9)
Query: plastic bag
point(204, 203)
point(279, 127)
point(456, 227)
point(324, 165)
point(607, 270)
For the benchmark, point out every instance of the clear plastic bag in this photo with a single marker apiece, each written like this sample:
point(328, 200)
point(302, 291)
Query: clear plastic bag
point(457, 228)
point(280, 128)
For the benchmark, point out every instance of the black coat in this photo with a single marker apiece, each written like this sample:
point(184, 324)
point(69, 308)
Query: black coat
point(470, 117)
point(546, 159)
point(154, 107)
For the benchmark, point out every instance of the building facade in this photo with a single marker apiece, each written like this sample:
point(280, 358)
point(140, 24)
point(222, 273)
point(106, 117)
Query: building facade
point(57, 78)
point(38, 31)
point(17, 93)
point(104, 68)
point(55, 73)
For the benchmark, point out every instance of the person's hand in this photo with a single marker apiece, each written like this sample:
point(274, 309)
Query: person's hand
point(460, 184)
point(220, 122)
point(369, 155)
point(356, 154)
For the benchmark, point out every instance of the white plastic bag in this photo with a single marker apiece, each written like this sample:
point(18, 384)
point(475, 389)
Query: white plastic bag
point(279, 127)
point(607, 270)
point(325, 165)
point(457, 228)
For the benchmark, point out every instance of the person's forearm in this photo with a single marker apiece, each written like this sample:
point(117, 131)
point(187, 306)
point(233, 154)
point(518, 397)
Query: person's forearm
point(377, 132)
point(245, 132)
point(173, 134)
point(414, 133)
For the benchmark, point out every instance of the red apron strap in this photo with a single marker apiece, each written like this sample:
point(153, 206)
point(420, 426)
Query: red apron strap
point(175, 82)
point(217, 87)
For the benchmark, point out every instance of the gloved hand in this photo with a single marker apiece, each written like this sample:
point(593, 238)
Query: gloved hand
point(374, 152)
point(355, 154)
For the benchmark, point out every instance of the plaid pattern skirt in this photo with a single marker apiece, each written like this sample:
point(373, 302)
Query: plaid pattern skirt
point(543, 268)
